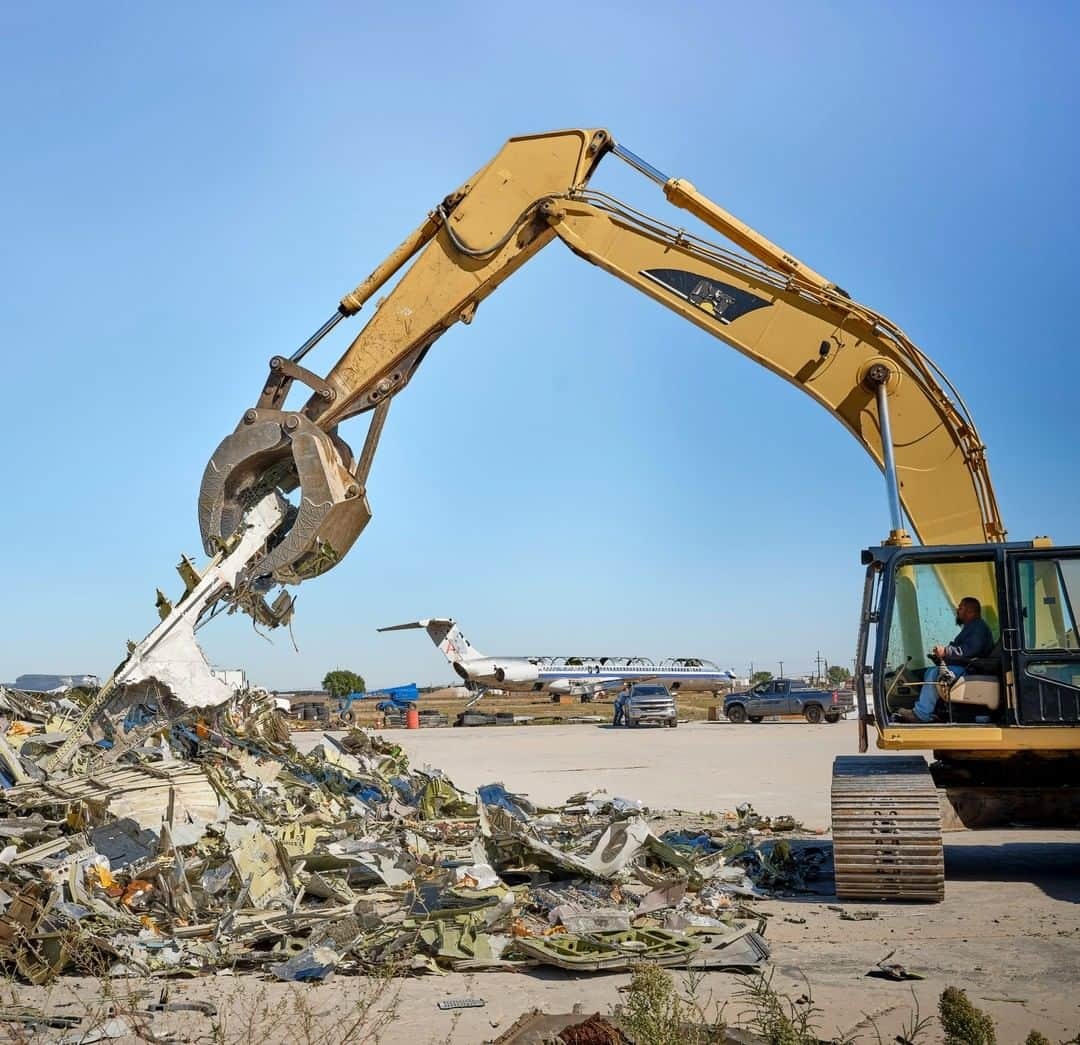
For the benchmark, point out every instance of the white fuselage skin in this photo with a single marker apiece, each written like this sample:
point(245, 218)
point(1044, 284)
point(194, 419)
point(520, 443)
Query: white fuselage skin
point(522, 674)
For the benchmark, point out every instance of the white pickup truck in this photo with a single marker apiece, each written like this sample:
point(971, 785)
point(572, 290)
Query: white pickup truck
point(650, 702)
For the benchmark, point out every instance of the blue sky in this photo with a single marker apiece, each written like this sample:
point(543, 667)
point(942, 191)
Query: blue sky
point(189, 189)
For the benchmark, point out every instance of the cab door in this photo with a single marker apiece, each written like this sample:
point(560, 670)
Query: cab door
point(1042, 639)
point(774, 699)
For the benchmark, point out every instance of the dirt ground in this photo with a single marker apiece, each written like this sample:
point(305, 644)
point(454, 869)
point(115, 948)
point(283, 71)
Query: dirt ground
point(1008, 931)
point(538, 707)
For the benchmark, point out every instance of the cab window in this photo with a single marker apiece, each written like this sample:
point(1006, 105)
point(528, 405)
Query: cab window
point(924, 608)
point(1049, 591)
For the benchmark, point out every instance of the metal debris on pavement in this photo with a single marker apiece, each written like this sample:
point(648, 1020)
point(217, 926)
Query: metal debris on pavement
point(177, 839)
point(847, 915)
point(886, 970)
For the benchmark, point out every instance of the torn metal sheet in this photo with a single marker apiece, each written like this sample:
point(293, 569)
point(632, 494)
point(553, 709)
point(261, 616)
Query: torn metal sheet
point(618, 847)
point(738, 950)
point(124, 842)
point(169, 654)
point(389, 865)
point(576, 920)
point(600, 951)
point(146, 794)
point(27, 942)
point(312, 963)
point(258, 864)
point(662, 897)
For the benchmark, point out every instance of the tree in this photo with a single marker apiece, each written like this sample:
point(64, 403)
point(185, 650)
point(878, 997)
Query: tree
point(340, 683)
point(838, 675)
point(760, 676)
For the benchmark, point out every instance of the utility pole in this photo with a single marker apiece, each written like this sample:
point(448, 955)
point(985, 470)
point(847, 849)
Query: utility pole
point(819, 676)
point(781, 669)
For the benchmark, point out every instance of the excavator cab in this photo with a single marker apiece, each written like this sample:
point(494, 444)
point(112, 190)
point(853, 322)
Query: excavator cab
point(1029, 595)
point(1004, 734)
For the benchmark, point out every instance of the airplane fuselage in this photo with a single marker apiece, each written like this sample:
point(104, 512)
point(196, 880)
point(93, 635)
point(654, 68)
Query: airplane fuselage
point(562, 675)
point(524, 674)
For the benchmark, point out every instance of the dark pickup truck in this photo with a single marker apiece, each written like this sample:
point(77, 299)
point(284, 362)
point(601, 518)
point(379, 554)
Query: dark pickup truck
point(787, 697)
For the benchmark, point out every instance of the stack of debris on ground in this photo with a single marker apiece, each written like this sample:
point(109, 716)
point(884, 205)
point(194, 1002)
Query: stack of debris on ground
point(178, 841)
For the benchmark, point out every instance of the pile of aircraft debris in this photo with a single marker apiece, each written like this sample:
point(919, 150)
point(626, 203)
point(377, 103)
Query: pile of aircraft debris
point(181, 840)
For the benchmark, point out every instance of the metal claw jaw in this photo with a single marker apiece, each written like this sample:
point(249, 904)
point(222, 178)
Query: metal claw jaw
point(275, 449)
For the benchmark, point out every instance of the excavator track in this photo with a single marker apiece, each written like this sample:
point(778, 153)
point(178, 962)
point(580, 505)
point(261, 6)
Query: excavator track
point(886, 828)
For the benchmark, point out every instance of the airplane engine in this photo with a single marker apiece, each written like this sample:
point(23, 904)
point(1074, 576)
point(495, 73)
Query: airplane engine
point(517, 671)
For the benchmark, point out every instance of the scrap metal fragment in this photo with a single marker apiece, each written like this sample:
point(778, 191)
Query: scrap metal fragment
point(886, 970)
point(610, 950)
point(258, 863)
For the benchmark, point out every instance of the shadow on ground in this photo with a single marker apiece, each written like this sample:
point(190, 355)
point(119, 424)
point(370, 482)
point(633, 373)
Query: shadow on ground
point(1050, 866)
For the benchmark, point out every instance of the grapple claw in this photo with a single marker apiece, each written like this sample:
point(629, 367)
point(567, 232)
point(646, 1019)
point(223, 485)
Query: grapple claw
point(274, 449)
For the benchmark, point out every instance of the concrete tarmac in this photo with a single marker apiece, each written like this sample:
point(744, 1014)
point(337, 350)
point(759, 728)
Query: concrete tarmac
point(781, 767)
point(1008, 931)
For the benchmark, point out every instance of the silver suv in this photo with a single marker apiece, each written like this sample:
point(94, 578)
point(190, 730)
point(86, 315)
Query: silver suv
point(650, 702)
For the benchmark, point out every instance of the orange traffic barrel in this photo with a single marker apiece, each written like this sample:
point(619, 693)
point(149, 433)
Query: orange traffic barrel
point(412, 719)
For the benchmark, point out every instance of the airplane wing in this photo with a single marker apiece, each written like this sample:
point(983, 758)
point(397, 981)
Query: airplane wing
point(606, 684)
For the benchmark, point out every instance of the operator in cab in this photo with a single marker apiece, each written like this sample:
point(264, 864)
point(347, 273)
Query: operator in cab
point(975, 640)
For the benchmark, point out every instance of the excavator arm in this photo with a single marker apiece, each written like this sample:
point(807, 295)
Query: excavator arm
point(749, 293)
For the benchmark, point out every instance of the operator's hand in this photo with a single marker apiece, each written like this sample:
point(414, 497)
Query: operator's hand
point(939, 651)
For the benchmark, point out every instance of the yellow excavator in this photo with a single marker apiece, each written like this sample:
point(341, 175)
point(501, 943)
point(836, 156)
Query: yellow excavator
point(1004, 734)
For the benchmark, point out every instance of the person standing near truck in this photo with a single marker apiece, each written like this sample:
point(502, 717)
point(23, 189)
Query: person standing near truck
point(620, 705)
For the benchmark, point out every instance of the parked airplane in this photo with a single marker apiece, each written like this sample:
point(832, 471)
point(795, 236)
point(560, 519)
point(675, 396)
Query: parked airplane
point(575, 676)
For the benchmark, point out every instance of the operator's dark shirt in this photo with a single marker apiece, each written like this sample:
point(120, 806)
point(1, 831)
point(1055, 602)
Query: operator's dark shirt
point(974, 640)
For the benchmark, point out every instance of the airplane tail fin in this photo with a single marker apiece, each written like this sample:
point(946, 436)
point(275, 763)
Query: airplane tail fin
point(446, 634)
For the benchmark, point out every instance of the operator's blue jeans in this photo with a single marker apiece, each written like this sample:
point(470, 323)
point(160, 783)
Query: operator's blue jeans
point(928, 697)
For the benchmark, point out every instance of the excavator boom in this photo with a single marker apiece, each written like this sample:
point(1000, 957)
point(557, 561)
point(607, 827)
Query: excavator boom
point(749, 293)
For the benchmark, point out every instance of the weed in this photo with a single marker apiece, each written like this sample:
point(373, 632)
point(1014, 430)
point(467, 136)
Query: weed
point(359, 1010)
point(916, 1025)
point(962, 1022)
point(910, 1032)
point(656, 1014)
point(775, 1016)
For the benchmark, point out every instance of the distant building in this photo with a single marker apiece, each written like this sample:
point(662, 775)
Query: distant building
point(52, 683)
